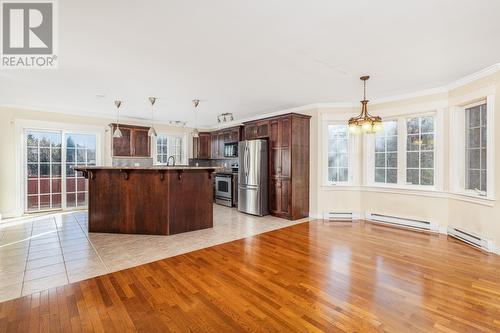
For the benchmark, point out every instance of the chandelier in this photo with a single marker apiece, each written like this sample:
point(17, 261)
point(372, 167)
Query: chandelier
point(365, 123)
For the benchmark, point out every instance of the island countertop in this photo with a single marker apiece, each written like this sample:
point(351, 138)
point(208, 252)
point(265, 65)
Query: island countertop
point(156, 200)
point(155, 167)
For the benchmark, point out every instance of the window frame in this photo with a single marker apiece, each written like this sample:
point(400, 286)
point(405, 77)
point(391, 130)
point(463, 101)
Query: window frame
point(352, 144)
point(369, 153)
point(21, 127)
point(458, 148)
point(434, 150)
point(373, 150)
point(169, 137)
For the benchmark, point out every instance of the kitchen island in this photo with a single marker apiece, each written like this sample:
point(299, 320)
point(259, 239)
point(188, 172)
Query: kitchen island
point(149, 200)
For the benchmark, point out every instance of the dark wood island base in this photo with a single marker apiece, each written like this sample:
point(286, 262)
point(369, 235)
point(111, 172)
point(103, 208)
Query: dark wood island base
point(152, 201)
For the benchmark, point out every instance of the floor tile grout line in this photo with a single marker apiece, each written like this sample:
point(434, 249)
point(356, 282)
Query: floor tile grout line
point(27, 257)
point(91, 244)
point(62, 252)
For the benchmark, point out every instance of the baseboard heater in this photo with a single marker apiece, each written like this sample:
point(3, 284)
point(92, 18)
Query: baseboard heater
point(402, 222)
point(470, 238)
point(341, 217)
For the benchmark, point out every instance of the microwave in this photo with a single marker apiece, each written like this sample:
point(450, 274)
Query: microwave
point(231, 149)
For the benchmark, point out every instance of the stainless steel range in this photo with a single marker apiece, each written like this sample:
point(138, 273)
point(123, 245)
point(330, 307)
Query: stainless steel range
point(224, 189)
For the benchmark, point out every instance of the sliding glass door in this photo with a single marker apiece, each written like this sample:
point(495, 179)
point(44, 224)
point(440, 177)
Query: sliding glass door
point(43, 157)
point(51, 182)
point(80, 150)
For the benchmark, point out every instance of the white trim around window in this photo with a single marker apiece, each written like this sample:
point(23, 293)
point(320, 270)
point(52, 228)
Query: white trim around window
point(21, 125)
point(369, 154)
point(169, 136)
point(352, 152)
point(457, 149)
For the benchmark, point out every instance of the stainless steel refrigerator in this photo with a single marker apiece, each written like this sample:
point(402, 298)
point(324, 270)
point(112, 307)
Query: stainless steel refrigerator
point(252, 177)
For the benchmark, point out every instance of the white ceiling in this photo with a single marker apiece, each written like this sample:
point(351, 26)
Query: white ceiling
point(252, 57)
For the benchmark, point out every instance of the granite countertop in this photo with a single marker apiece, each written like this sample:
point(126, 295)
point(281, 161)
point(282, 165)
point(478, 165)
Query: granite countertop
point(155, 167)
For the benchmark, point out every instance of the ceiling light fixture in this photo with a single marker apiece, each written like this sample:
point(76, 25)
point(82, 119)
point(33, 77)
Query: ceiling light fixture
point(225, 117)
point(152, 131)
point(178, 123)
point(117, 133)
point(365, 123)
point(195, 132)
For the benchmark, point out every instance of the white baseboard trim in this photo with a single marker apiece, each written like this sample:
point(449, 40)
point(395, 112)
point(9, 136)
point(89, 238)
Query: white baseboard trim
point(10, 215)
point(316, 216)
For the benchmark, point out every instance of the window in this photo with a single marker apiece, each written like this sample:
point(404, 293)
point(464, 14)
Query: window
point(80, 150)
point(476, 148)
point(170, 145)
point(386, 154)
point(338, 157)
point(420, 151)
point(51, 182)
point(43, 170)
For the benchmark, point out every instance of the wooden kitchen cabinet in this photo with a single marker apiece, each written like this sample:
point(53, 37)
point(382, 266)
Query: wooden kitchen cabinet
point(256, 130)
point(215, 145)
point(288, 137)
point(220, 144)
point(135, 141)
point(202, 146)
point(211, 144)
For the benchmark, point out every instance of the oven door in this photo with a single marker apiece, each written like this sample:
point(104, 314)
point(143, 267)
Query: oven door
point(223, 186)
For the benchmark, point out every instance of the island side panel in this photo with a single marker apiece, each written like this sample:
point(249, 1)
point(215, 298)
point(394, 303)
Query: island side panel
point(191, 200)
point(130, 202)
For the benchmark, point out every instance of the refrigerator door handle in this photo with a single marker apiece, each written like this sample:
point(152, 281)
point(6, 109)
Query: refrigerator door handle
point(247, 163)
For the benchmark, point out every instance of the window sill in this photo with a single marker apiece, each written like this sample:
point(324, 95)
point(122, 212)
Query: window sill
point(413, 190)
point(473, 197)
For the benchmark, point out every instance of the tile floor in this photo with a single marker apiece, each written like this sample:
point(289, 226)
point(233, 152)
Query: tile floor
point(37, 253)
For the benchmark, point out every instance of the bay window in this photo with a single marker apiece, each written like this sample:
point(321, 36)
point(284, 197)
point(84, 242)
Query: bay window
point(338, 156)
point(420, 150)
point(386, 154)
point(476, 148)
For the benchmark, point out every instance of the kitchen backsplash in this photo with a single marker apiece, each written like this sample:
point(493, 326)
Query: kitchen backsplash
point(224, 163)
point(131, 162)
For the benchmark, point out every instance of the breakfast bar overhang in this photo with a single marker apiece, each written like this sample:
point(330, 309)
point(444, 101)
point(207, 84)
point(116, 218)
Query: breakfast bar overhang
point(149, 200)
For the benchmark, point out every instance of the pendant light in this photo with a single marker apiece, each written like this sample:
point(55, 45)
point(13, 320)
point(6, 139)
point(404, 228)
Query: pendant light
point(195, 132)
point(152, 131)
point(365, 123)
point(117, 133)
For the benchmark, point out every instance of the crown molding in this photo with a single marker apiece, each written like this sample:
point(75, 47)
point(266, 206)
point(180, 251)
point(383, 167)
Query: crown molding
point(81, 113)
point(474, 77)
point(299, 109)
point(421, 93)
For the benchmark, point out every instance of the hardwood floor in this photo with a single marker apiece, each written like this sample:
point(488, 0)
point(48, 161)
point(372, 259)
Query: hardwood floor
point(312, 277)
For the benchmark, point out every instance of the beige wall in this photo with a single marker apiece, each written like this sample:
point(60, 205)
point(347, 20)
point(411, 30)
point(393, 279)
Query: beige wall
point(10, 120)
point(442, 207)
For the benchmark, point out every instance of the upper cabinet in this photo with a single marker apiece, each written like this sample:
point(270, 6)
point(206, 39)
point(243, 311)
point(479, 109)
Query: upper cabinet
point(211, 144)
point(202, 146)
point(256, 130)
point(135, 141)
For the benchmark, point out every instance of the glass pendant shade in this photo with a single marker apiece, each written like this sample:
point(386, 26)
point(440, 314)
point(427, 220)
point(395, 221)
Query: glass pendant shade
point(152, 132)
point(195, 132)
point(117, 133)
point(365, 123)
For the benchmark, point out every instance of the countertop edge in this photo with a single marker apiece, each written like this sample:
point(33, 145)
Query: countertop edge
point(166, 168)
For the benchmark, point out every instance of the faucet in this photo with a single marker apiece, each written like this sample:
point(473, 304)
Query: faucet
point(173, 159)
